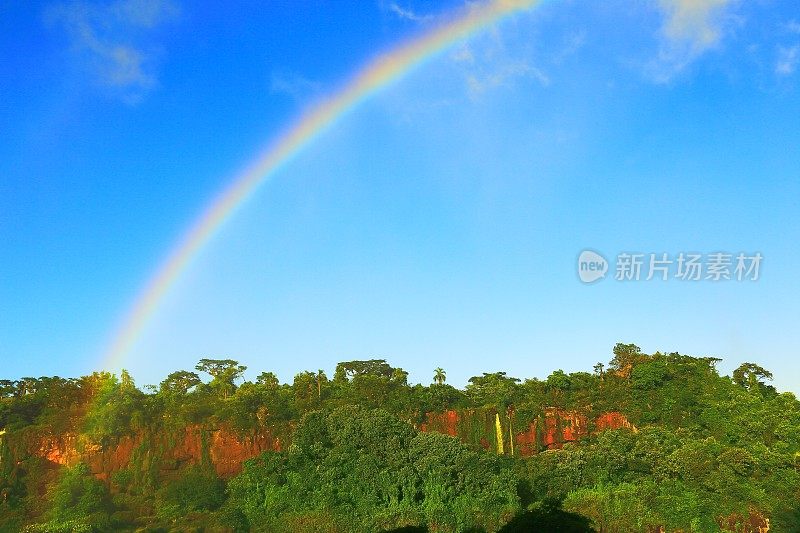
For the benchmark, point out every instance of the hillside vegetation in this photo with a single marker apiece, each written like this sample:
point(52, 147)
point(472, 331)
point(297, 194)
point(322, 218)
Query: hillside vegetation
point(650, 442)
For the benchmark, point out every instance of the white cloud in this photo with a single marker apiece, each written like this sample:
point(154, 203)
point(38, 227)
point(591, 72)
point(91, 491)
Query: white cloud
point(144, 13)
point(112, 40)
point(294, 85)
point(693, 21)
point(691, 27)
point(572, 43)
point(487, 62)
point(463, 54)
point(407, 13)
point(503, 76)
point(788, 59)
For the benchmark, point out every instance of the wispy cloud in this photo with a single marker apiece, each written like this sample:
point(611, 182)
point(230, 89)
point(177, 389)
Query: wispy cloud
point(693, 21)
point(691, 27)
point(463, 54)
point(113, 40)
point(793, 26)
point(503, 76)
point(407, 13)
point(573, 42)
point(294, 85)
point(788, 59)
point(488, 63)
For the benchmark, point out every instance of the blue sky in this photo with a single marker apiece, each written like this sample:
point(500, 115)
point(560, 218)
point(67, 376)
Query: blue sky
point(437, 224)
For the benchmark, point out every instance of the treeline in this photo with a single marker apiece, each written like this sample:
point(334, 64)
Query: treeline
point(707, 453)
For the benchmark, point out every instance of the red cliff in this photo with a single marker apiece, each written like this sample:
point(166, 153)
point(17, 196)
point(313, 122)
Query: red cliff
point(225, 450)
point(551, 430)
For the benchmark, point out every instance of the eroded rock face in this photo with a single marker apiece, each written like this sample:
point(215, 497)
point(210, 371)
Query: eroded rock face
point(562, 426)
point(71, 449)
point(613, 420)
point(228, 452)
point(551, 431)
point(225, 450)
point(445, 422)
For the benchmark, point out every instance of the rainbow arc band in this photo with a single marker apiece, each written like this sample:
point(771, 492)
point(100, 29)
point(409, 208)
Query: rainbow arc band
point(377, 74)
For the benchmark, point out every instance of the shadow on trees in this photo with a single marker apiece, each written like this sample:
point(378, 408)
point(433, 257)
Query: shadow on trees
point(547, 517)
point(424, 529)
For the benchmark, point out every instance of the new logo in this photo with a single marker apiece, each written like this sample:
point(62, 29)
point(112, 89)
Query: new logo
point(591, 266)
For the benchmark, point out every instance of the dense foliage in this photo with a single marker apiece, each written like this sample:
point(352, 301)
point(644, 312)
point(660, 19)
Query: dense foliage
point(365, 470)
point(359, 452)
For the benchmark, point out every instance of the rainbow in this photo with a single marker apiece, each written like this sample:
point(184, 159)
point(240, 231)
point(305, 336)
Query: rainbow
point(375, 75)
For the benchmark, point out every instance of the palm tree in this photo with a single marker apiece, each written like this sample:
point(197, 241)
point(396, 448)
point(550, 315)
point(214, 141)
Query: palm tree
point(439, 375)
point(320, 377)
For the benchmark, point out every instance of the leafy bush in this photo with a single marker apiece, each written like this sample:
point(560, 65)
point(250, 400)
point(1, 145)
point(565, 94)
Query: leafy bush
point(365, 470)
point(197, 489)
point(79, 503)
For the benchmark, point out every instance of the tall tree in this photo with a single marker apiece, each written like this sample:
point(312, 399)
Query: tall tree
point(751, 376)
point(269, 380)
point(180, 382)
point(626, 356)
point(321, 378)
point(493, 389)
point(224, 371)
point(371, 367)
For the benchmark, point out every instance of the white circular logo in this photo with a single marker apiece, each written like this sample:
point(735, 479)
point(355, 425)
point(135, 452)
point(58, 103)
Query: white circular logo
point(591, 266)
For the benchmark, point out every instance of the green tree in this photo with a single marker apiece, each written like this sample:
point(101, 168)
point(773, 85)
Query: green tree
point(79, 502)
point(321, 380)
point(197, 489)
point(224, 372)
point(751, 376)
point(493, 389)
point(371, 367)
point(116, 408)
point(307, 391)
point(180, 382)
point(626, 356)
point(7, 388)
point(269, 380)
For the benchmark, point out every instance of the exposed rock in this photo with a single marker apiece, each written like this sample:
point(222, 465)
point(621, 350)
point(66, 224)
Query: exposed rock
point(225, 450)
point(551, 431)
point(613, 420)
